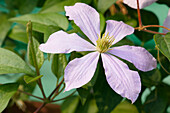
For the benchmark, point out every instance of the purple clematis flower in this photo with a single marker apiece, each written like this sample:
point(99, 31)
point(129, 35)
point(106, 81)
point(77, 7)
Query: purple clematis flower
point(142, 3)
point(167, 23)
point(81, 70)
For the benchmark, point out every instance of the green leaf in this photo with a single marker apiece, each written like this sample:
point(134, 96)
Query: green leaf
point(59, 63)
point(28, 79)
point(23, 6)
point(6, 92)
point(70, 104)
point(103, 5)
point(106, 98)
point(12, 63)
point(151, 78)
point(163, 43)
point(58, 6)
point(38, 54)
point(125, 107)
point(83, 93)
point(5, 26)
point(157, 101)
point(19, 33)
point(102, 22)
point(45, 19)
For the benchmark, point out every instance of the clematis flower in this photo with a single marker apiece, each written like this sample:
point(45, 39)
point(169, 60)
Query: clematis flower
point(142, 3)
point(80, 71)
point(167, 23)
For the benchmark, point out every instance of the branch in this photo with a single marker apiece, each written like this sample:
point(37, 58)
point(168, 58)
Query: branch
point(139, 15)
point(40, 108)
point(30, 94)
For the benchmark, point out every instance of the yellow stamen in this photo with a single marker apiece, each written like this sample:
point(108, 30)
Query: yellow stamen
point(104, 43)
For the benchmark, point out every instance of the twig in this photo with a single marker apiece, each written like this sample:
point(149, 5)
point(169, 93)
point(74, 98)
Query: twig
point(40, 108)
point(64, 97)
point(56, 89)
point(139, 15)
point(154, 32)
point(155, 26)
point(30, 94)
point(58, 92)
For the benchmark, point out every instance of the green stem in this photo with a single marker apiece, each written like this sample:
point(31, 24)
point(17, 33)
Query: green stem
point(29, 35)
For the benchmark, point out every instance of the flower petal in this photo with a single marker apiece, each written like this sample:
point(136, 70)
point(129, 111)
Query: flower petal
point(139, 56)
point(80, 71)
point(122, 80)
point(61, 42)
point(142, 3)
point(87, 18)
point(167, 23)
point(118, 30)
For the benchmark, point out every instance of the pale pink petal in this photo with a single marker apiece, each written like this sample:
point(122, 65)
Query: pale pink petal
point(167, 23)
point(87, 18)
point(139, 56)
point(61, 42)
point(142, 3)
point(120, 78)
point(80, 71)
point(118, 30)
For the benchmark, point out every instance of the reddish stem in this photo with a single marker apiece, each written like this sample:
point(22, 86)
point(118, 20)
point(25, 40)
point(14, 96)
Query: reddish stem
point(139, 15)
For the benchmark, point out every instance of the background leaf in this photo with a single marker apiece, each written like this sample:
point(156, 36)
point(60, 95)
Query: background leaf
point(59, 63)
point(12, 63)
point(29, 79)
point(163, 43)
point(6, 92)
point(39, 54)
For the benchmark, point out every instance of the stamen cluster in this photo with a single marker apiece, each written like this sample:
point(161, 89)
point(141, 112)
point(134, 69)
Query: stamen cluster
point(104, 43)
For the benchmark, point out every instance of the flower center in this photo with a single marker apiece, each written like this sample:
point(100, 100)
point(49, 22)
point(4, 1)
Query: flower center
point(104, 43)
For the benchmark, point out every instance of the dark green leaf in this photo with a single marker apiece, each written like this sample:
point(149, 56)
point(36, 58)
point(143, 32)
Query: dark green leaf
point(45, 19)
point(157, 101)
point(163, 43)
point(83, 93)
point(39, 54)
point(23, 7)
point(106, 98)
point(58, 64)
point(6, 92)
point(151, 78)
point(103, 5)
point(70, 104)
point(12, 63)
point(28, 79)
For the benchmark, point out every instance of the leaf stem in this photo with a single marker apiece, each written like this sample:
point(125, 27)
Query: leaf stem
point(56, 89)
point(154, 32)
point(64, 97)
point(30, 94)
point(58, 93)
point(155, 26)
point(139, 15)
point(29, 35)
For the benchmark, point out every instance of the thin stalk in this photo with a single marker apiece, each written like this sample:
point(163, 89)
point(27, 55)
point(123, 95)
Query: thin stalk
point(30, 94)
point(29, 35)
point(154, 32)
point(56, 89)
point(155, 26)
point(139, 15)
point(58, 93)
point(40, 108)
point(158, 58)
point(64, 97)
